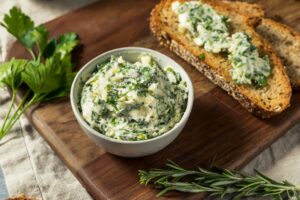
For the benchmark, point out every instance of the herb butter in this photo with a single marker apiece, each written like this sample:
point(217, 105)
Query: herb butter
point(210, 30)
point(133, 101)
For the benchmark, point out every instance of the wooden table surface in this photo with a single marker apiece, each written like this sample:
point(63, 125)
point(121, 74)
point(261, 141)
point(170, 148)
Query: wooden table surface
point(218, 130)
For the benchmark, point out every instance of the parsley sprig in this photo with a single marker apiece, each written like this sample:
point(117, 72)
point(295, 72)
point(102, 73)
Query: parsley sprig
point(218, 182)
point(48, 75)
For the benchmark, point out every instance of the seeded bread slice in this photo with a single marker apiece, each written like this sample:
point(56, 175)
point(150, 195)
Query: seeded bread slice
point(265, 102)
point(244, 8)
point(284, 40)
point(286, 43)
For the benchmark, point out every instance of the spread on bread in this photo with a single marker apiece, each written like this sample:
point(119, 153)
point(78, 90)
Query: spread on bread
point(133, 101)
point(210, 30)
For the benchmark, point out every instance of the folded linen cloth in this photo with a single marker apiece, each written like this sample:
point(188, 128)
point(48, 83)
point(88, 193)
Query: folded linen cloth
point(31, 167)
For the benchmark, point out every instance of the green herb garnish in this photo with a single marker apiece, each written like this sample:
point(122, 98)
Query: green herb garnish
point(217, 182)
point(48, 75)
point(201, 56)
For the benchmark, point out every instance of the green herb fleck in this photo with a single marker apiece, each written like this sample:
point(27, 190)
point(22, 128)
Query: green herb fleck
point(202, 56)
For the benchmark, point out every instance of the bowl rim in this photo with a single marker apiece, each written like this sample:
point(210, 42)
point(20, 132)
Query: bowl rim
point(152, 52)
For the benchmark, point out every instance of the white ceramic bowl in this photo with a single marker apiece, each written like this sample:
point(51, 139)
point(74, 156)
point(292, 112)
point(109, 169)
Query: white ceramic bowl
point(129, 148)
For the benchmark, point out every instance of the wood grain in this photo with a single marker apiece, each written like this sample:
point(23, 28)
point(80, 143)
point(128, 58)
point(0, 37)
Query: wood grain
point(218, 130)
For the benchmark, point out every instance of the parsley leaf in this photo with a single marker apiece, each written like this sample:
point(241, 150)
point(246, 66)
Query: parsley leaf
point(66, 43)
point(42, 78)
point(40, 36)
point(50, 48)
point(50, 80)
point(19, 25)
point(10, 73)
point(23, 28)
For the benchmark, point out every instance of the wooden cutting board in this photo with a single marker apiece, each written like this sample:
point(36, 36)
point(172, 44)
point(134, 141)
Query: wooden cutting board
point(218, 130)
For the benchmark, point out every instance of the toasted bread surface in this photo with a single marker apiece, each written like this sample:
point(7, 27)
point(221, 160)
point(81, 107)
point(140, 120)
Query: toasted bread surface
point(244, 8)
point(284, 40)
point(265, 102)
point(286, 43)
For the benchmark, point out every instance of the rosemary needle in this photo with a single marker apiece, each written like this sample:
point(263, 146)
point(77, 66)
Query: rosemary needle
point(218, 182)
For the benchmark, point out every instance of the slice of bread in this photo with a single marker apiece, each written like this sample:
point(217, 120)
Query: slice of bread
point(265, 102)
point(244, 8)
point(284, 40)
point(286, 43)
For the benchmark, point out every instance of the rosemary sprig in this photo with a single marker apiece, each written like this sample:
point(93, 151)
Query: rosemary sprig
point(217, 182)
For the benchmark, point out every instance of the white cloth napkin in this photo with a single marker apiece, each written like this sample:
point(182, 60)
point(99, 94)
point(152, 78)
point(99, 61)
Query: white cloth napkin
point(31, 167)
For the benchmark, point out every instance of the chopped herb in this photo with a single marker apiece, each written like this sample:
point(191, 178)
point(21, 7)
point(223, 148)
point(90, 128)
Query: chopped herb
point(210, 30)
point(136, 101)
point(202, 56)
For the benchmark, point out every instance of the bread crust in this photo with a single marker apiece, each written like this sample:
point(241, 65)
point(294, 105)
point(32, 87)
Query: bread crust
point(244, 8)
point(284, 35)
point(187, 54)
